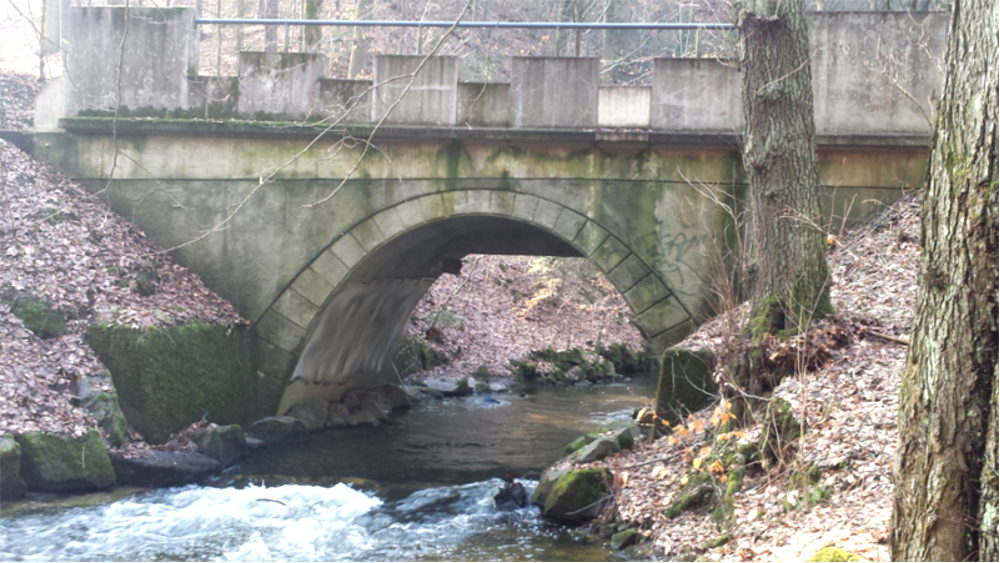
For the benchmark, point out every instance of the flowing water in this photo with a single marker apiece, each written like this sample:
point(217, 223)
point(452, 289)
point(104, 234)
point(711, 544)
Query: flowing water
point(420, 488)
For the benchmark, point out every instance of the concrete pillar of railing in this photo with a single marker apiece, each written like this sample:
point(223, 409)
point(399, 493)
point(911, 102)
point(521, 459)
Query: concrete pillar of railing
point(136, 58)
point(281, 86)
point(700, 95)
point(554, 92)
point(415, 90)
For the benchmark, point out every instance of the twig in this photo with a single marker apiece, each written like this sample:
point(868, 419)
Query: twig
point(883, 336)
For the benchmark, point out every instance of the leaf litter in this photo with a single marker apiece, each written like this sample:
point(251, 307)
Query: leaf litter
point(851, 402)
point(63, 245)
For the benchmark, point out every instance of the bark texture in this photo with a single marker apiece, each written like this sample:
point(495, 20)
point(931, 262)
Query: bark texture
point(787, 270)
point(944, 505)
point(359, 48)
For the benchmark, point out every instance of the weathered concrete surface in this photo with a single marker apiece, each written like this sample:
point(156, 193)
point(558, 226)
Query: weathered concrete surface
point(415, 90)
point(877, 72)
point(554, 92)
point(281, 86)
point(621, 106)
point(150, 52)
point(696, 95)
point(346, 101)
point(483, 105)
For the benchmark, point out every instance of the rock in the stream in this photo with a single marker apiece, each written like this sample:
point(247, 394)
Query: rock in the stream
point(50, 462)
point(272, 429)
point(12, 487)
point(221, 443)
point(624, 539)
point(597, 450)
point(572, 496)
point(164, 469)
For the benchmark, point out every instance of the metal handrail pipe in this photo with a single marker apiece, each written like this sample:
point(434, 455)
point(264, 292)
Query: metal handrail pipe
point(499, 25)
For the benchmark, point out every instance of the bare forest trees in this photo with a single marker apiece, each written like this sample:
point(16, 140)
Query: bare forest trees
point(786, 271)
point(945, 500)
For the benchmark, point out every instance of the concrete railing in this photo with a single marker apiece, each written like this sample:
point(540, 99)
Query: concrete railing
point(874, 73)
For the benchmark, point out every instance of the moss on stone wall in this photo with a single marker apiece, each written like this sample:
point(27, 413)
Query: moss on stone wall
point(37, 316)
point(167, 379)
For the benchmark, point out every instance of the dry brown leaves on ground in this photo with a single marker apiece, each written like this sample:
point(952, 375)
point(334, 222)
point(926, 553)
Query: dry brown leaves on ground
point(61, 244)
point(850, 404)
point(502, 307)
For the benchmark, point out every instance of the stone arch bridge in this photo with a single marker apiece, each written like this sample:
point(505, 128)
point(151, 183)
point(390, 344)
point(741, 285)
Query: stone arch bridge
point(325, 238)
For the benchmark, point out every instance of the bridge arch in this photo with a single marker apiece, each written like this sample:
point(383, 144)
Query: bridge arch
point(411, 240)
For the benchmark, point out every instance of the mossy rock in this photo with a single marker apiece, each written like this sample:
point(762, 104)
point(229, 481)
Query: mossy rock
point(416, 356)
point(50, 462)
point(37, 316)
point(778, 429)
point(12, 487)
point(108, 414)
point(831, 553)
point(625, 360)
point(697, 493)
point(686, 381)
point(624, 539)
point(167, 379)
point(597, 450)
point(572, 496)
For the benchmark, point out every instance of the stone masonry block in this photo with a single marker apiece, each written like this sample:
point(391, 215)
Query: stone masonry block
point(456, 201)
point(296, 308)
point(671, 336)
point(312, 286)
point(272, 362)
point(278, 330)
point(411, 213)
point(628, 273)
point(590, 237)
point(569, 224)
point(348, 250)
point(547, 213)
point(663, 315)
point(645, 293)
point(389, 222)
point(368, 235)
point(329, 267)
point(479, 201)
point(609, 254)
point(524, 207)
point(433, 206)
point(281, 85)
point(502, 202)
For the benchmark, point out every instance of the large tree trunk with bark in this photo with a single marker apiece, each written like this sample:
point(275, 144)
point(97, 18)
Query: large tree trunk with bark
point(786, 271)
point(945, 499)
point(269, 10)
point(359, 48)
point(312, 34)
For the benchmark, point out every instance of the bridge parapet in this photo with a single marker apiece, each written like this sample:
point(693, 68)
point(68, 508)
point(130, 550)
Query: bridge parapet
point(874, 73)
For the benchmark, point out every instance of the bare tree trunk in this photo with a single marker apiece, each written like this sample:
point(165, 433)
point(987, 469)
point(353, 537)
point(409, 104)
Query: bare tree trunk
point(269, 10)
point(313, 33)
point(359, 48)
point(787, 269)
point(945, 498)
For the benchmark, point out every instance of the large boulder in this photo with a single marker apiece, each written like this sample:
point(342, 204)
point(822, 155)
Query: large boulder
point(221, 443)
point(686, 381)
point(51, 462)
point(164, 469)
point(572, 496)
point(12, 487)
point(168, 379)
point(598, 449)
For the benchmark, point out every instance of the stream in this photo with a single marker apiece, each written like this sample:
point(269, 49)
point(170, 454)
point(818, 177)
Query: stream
point(420, 488)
